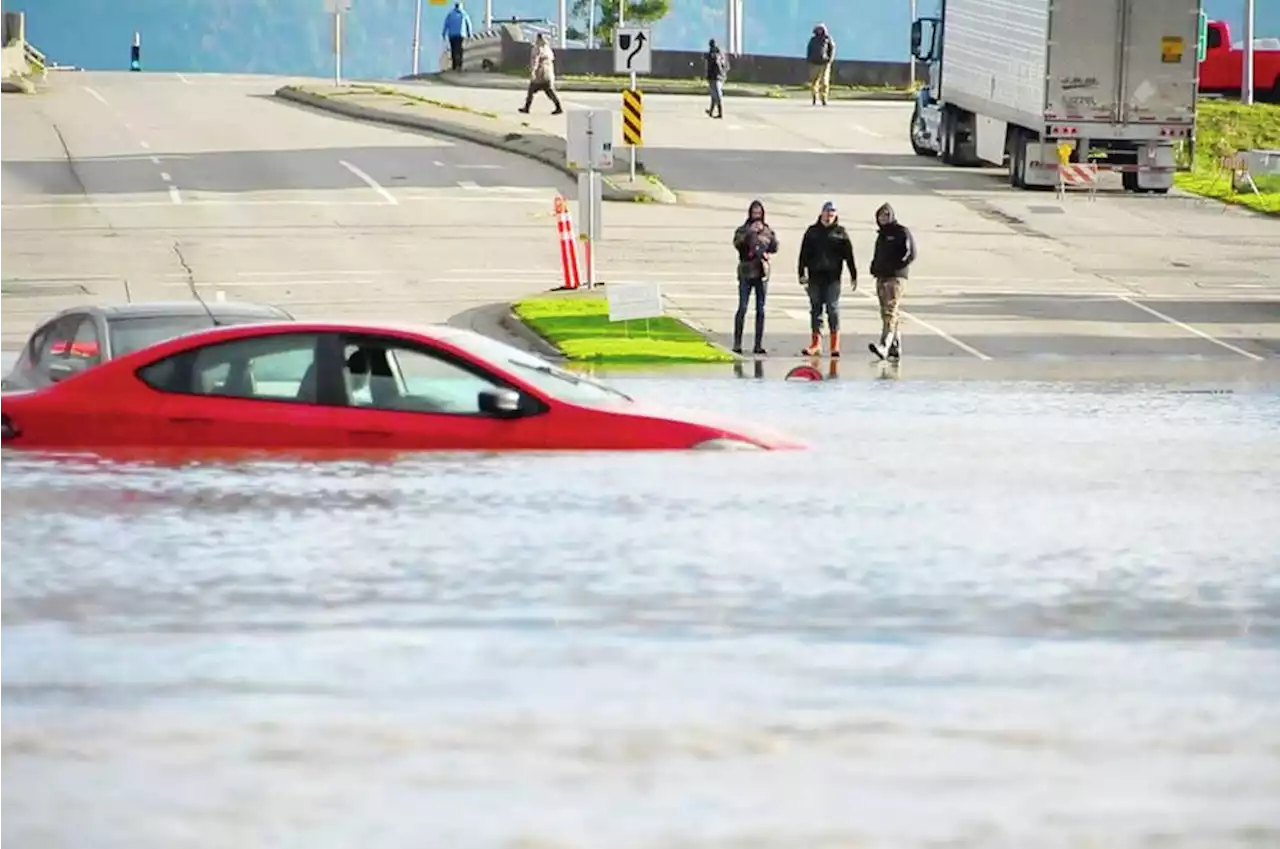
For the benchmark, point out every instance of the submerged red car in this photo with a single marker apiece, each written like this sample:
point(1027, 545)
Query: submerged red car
point(327, 386)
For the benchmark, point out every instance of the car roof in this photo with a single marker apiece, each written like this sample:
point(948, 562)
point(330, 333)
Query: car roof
point(155, 309)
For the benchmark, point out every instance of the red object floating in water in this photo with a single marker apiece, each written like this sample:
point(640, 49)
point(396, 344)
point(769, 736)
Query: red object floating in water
point(804, 373)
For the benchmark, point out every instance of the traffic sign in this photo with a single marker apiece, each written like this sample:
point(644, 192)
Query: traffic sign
point(336, 7)
point(589, 139)
point(632, 117)
point(632, 50)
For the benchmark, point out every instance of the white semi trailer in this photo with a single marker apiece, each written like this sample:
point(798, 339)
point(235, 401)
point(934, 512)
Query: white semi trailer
point(1010, 80)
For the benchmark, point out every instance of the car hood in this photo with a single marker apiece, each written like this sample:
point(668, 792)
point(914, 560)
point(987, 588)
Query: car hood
point(729, 427)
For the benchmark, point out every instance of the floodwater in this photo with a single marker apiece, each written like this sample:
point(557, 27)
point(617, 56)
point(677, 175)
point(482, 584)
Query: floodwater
point(973, 615)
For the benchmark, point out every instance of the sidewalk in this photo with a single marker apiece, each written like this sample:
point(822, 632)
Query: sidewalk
point(389, 105)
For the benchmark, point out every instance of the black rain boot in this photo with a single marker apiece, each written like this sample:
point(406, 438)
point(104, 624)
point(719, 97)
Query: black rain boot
point(759, 348)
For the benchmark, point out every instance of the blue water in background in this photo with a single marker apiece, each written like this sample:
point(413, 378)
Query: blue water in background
point(295, 36)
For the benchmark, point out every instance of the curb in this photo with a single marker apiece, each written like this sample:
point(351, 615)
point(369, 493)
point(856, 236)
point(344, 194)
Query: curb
point(512, 142)
point(657, 88)
point(512, 323)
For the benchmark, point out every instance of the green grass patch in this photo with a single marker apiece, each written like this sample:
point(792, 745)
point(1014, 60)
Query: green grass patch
point(580, 328)
point(1224, 127)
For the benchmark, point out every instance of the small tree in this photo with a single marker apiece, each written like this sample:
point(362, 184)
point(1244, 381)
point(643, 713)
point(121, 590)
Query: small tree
point(638, 11)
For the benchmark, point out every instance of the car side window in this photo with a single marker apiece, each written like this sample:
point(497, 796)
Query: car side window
point(279, 367)
point(57, 344)
point(391, 375)
point(85, 344)
point(1213, 39)
point(37, 349)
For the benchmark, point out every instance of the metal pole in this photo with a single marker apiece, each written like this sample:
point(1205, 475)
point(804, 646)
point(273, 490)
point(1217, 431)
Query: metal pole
point(633, 147)
point(738, 48)
point(488, 14)
point(417, 33)
point(1246, 77)
point(337, 48)
point(591, 25)
point(562, 26)
point(729, 6)
point(911, 60)
point(622, 13)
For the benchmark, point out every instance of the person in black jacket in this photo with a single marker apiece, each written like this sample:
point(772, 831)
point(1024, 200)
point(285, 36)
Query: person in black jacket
point(895, 251)
point(755, 242)
point(824, 252)
point(717, 68)
point(819, 54)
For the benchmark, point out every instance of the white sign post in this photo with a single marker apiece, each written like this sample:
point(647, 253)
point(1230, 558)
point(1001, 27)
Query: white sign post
point(589, 150)
point(632, 54)
point(337, 8)
point(630, 301)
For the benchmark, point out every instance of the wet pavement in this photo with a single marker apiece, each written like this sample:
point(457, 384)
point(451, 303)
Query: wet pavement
point(975, 614)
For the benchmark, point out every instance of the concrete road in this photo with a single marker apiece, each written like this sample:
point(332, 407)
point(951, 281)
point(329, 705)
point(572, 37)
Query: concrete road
point(158, 179)
point(1002, 273)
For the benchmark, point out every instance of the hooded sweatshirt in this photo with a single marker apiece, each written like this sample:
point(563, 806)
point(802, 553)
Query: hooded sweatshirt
point(821, 47)
point(716, 63)
point(825, 251)
point(895, 247)
point(754, 245)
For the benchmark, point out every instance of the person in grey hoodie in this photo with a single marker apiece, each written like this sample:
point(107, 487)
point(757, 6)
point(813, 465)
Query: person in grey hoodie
point(755, 242)
point(895, 251)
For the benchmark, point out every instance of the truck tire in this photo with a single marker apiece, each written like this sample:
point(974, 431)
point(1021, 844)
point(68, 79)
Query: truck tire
point(915, 146)
point(947, 136)
point(1129, 180)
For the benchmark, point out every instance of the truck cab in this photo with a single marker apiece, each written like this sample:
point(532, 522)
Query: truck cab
point(1222, 65)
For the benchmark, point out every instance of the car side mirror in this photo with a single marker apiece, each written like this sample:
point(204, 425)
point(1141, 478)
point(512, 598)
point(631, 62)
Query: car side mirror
point(63, 369)
point(502, 403)
point(917, 33)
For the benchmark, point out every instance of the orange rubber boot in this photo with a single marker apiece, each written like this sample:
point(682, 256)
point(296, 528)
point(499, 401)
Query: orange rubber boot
point(815, 345)
point(835, 343)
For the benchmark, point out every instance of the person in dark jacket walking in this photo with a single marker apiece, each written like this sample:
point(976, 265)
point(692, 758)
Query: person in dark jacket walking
point(755, 242)
point(895, 251)
point(819, 55)
point(717, 68)
point(824, 252)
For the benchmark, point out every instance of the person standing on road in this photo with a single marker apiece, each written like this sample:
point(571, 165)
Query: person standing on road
point(457, 26)
point(755, 242)
point(819, 56)
point(824, 252)
point(717, 68)
point(895, 251)
point(542, 75)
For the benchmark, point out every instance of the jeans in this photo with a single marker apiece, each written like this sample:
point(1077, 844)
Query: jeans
point(745, 287)
point(824, 296)
point(716, 89)
point(455, 52)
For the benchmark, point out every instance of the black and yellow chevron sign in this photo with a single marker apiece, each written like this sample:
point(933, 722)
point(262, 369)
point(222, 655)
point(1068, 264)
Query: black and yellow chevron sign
point(632, 117)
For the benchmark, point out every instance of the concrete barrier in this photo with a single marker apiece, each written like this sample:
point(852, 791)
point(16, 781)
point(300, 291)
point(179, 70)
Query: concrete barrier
point(484, 51)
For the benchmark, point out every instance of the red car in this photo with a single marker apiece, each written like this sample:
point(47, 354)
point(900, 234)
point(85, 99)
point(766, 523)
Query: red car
point(351, 388)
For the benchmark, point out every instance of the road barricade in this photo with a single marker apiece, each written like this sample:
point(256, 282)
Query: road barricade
point(568, 244)
point(1075, 175)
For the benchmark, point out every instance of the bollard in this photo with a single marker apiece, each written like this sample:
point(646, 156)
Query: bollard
point(135, 53)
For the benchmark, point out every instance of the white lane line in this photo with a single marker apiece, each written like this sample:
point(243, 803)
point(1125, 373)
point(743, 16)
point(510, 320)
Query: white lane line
point(479, 167)
point(370, 182)
point(184, 79)
point(174, 195)
point(438, 163)
point(1194, 331)
point(900, 180)
point(145, 146)
point(164, 175)
point(468, 185)
point(97, 96)
point(155, 160)
point(936, 330)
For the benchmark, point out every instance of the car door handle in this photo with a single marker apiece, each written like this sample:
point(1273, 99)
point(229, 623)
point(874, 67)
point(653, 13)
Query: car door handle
point(384, 433)
point(189, 420)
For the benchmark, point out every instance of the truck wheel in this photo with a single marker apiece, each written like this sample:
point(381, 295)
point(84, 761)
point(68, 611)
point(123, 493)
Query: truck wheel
point(947, 136)
point(1129, 180)
point(1018, 161)
point(917, 127)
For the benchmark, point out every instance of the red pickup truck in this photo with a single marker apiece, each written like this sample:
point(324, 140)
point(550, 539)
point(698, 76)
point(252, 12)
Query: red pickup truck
point(1222, 66)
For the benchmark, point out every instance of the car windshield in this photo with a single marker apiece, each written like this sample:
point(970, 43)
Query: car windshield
point(556, 382)
point(135, 333)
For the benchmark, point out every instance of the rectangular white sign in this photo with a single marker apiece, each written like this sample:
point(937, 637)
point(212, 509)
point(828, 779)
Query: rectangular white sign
point(633, 50)
point(630, 301)
point(589, 139)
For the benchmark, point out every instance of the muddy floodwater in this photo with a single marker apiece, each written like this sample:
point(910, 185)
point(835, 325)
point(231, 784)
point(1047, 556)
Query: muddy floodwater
point(973, 615)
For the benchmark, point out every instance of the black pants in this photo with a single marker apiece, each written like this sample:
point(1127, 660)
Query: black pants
point(824, 296)
point(455, 52)
point(536, 86)
point(745, 288)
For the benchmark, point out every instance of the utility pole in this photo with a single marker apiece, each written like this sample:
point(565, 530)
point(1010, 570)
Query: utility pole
point(911, 59)
point(562, 24)
point(1246, 77)
point(417, 34)
point(488, 14)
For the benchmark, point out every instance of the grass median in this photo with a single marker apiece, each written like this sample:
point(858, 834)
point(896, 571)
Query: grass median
point(1224, 127)
point(580, 328)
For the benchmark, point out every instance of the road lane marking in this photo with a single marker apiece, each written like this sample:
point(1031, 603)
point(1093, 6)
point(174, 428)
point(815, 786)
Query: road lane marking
point(1192, 330)
point(480, 167)
point(97, 96)
point(370, 182)
point(900, 180)
point(174, 195)
point(164, 175)
point(438, 163)
point(935, 329)
point(184, 79)
point(145, 146)
point(468, 185)
point(155, 160)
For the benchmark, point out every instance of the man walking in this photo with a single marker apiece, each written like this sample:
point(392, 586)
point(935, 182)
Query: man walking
point(457, 26)
point(717, 68)
point(895, 251)
point(819, 55)
point(542, 75)
point(755, 242)
point(824, 251)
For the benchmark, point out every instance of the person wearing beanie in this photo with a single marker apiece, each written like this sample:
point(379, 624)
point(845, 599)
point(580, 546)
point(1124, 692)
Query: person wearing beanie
point(824, 252)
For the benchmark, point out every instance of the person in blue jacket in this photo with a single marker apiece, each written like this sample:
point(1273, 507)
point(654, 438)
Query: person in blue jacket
point(457, 26)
